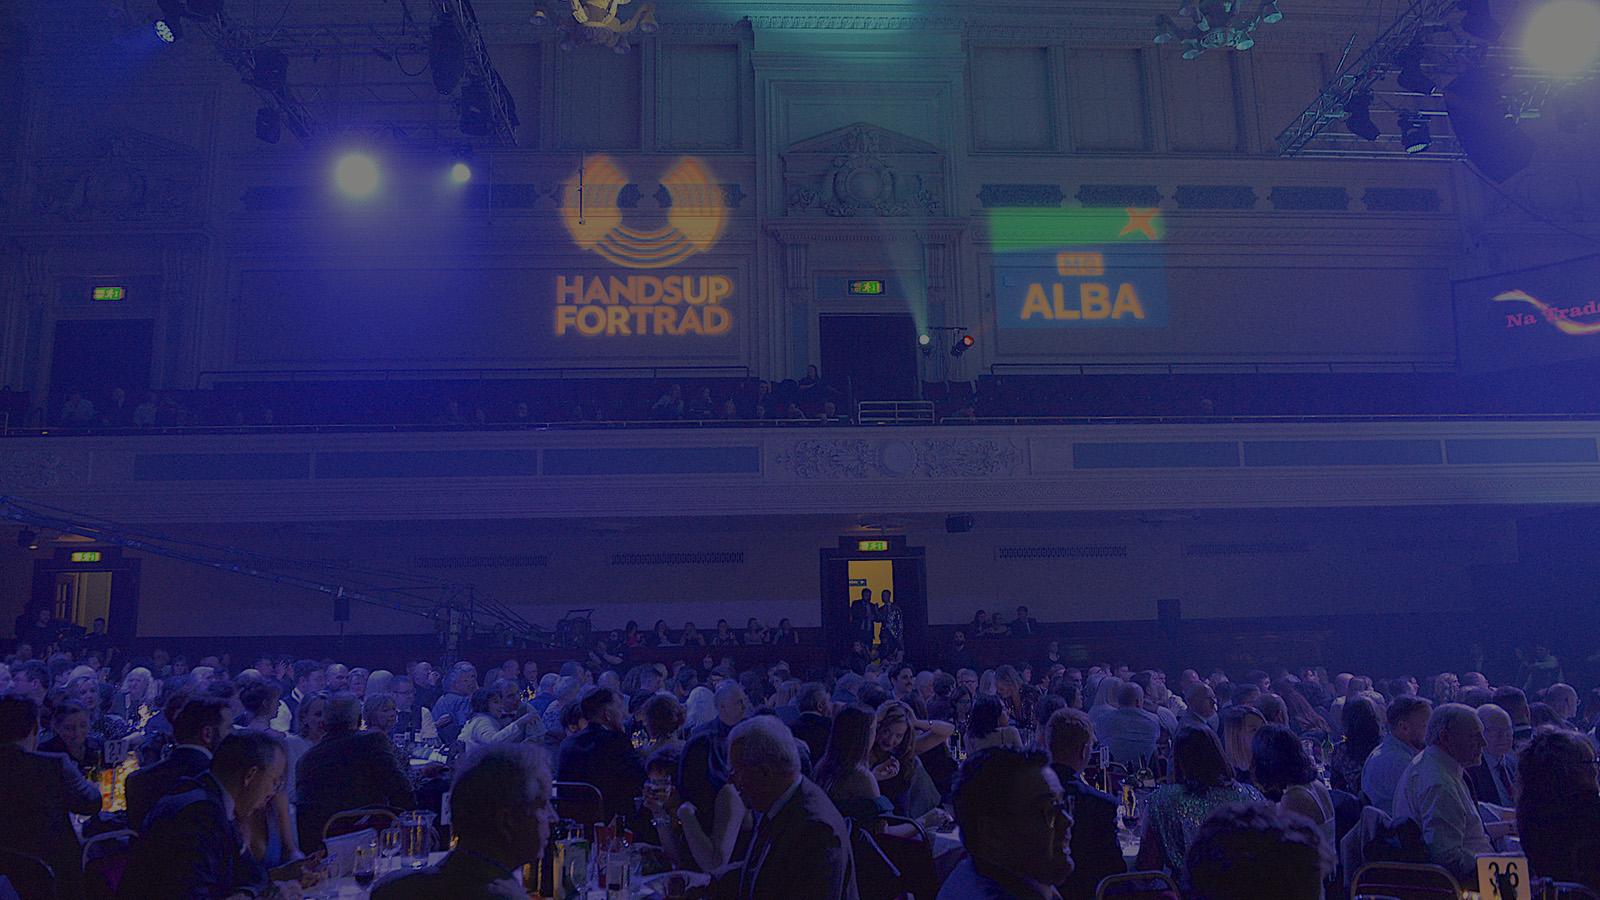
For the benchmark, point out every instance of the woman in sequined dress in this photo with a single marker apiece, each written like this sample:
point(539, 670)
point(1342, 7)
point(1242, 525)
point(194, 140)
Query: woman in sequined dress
point(1204, 783)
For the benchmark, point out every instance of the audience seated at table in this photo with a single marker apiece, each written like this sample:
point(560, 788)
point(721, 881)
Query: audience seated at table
point(38, 791)
point(348, 769)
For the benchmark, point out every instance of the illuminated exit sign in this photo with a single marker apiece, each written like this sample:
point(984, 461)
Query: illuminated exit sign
point(108, 293)
point(866, 287)
point(86, 556)
point(872, 546)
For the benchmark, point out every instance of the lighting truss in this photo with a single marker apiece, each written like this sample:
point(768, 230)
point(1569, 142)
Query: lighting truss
point(480, 68)
point(1373, 63)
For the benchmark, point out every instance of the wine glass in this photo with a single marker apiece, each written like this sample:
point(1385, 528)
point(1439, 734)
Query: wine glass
point(389, 843)
point(364, 864)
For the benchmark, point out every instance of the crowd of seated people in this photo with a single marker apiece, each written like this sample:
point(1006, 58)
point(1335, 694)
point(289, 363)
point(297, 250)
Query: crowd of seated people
point(1569, 389)
point(764, 779)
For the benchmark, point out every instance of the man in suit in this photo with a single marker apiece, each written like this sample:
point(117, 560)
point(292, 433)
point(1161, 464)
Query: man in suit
point(309, 677)
point(191, 848)
point(1014, 824)
point(500, 804)
point(1494, 778)
point(601, 753)
point(1095, 850)
point(37, 791)
point(801, 845)
point(814, 725)
point(199, 727)
point(346, 770)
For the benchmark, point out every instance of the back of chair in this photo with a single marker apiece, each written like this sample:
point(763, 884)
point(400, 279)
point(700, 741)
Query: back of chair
point(30, 876)
point(1405, 881)
point(579, 801)
point(1137, 886)
point(911, 851)
point(105, 859)
point(877, 877)
point(352, 820)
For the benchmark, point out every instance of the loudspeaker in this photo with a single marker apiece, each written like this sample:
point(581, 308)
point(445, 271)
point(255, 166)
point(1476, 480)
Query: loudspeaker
point(1491, 140)
point(341, 609)
point(958, 524)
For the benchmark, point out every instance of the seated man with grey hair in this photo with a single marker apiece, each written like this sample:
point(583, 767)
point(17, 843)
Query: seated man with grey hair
point(348, 769)
point(801, 845)
point(501, 813)
point(1433, 792)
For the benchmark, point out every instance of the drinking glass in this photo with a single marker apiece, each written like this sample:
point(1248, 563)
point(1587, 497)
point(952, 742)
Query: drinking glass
point(389, 843)
point(364, 864)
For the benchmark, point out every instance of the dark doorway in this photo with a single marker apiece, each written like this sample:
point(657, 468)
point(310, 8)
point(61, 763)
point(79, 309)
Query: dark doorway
point(97, 356)
point(906, 578)
point(870, 357)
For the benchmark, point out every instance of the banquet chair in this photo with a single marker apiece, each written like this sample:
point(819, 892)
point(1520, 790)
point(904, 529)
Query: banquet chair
point(350, 821)
point(1137, 886)
point(1405, 881)
point(579, 801)
point(913, 856)
point(29, 876)
point(105, 859)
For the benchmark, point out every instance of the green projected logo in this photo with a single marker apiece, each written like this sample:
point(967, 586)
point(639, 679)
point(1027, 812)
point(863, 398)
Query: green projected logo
point(1077, 268)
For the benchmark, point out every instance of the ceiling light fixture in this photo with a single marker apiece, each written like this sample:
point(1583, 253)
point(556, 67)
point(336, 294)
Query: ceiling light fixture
point(1211, 24)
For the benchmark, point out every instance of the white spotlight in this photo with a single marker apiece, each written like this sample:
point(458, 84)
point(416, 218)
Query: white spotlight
point(356, 174)
point(1563, 36)
point(460, 173)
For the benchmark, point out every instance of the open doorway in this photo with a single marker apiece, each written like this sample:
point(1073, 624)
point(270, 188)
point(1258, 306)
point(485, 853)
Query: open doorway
point(859, 579)
point(869, 357)
point(83, 584)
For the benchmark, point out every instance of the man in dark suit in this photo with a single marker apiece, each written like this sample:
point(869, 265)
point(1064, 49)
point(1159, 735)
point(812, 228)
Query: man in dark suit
point(191, 848)
point(1494, 779)
point(602, 755)
point(199, 727)
point(347, 770)
point(801, 845)
point(814, 725)
point(37, 791)
point(1095, 850)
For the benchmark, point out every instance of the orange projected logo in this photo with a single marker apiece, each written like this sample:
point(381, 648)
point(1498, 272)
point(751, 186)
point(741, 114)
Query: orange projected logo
point(1560, 317)
point(590, 209)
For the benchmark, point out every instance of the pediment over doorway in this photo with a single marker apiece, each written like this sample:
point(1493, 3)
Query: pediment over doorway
point(862, 170)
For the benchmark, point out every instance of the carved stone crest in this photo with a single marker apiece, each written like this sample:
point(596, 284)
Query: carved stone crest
point(863, 170)
point(942, 458)
point(121, 178)
point(41, 468)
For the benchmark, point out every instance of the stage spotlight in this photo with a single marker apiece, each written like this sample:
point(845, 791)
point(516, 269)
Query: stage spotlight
point(925, 341)
point(965, 341)
point(461, 164)
point(1166, 29)
point(1479, 21)
point(28, 539)
point(1414, 134)
point(168, 31)
point(356, 174)
point(269, 125)
point(1563, 36)
point(1358, 116)
point(1411, 76)
point(1270, 13)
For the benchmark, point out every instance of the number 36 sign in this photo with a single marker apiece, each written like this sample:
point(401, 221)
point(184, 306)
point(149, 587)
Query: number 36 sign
point(1503, 877)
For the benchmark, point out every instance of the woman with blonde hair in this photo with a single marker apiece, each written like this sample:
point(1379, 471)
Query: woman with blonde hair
point(899, 738)
point(1239, 727)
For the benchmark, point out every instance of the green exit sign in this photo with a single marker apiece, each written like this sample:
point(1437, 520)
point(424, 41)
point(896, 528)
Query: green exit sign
point(866, 287)
point(109, 293)
point(872, 546)
point(86, 556)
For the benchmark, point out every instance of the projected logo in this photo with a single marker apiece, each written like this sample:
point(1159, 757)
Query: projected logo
point(1094, 268)
point(1559, 316)
point(593, 214)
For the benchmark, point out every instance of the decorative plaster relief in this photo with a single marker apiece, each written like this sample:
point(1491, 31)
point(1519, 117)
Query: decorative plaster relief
point(951, 458)
point(124, 178)
point(863, 170)
point(43, 468)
